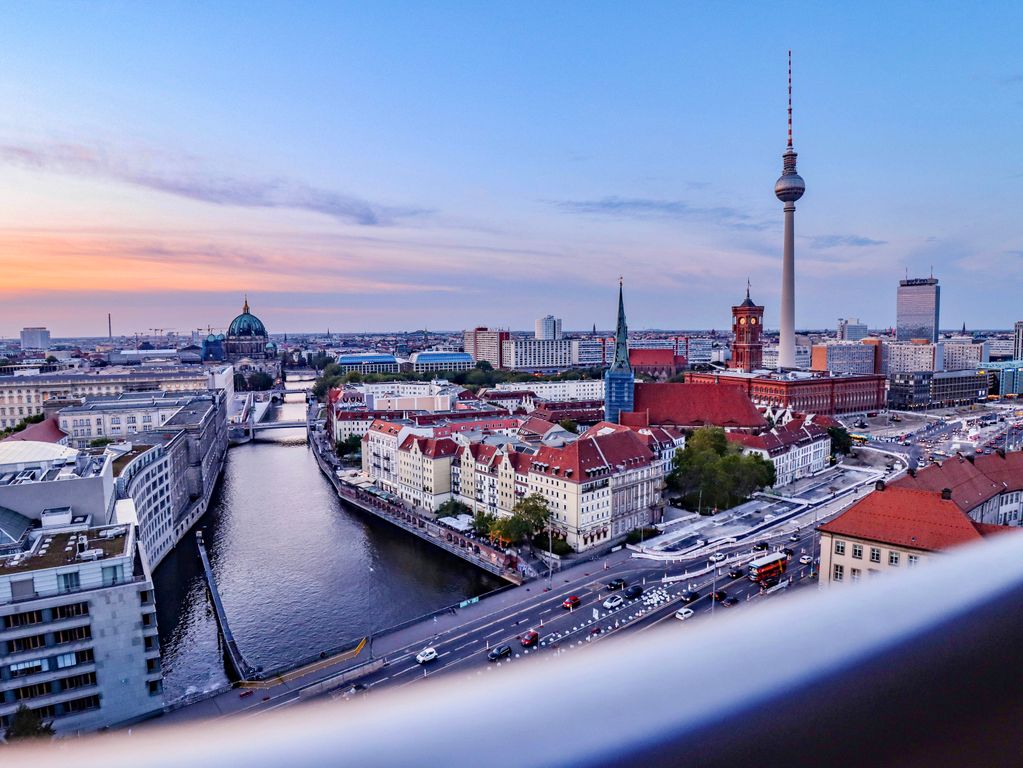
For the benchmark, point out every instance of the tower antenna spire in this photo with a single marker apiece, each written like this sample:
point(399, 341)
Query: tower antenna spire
point(790, 97)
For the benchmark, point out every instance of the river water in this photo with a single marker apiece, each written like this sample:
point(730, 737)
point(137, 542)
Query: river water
point(298, 572)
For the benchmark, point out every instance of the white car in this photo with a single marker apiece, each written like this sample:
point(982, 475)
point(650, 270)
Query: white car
point(615, 601)
point(806, 559)
point(427, 655)
point(684, 613)
point(717, 557)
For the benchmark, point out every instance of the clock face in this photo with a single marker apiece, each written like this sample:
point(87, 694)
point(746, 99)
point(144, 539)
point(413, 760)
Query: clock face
point(753, 321)
point(742, 321)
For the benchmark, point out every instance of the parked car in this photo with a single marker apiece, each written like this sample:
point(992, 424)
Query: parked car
point(572, 601)
point(427, 655)
point(499, 653)
point(616, 584)
point(531, 638)
point(615, 601)
point(684, 613)
point(634, 591)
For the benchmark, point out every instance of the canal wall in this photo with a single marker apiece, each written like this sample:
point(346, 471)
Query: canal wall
point(239, 668)
point(469, 550)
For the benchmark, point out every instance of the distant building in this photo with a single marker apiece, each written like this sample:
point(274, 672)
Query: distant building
point(538, 355)
point(851, 329)
point(912, 356)
point(485, 344)
point(803, 392)
point(548, 328)
point(843, 357)
point(567, 389)
point(589, 353)
point(435, 362)
point(656, 363)
point(962, 352)
point(368, 362)
point(893, 529)
point(797, 449)
point(771, 358)
point(35, 338)
point(1017, 341)
point(917, 309)
point(936, 389)
point(247, 345)
point(77, 623)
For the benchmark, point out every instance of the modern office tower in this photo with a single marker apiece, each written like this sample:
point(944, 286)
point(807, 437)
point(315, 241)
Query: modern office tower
point(851, 329)
point(548, 328)
point(1017, 341)
point(618, 380)
point(789, 188)
point(35, 338)
point(917, 309)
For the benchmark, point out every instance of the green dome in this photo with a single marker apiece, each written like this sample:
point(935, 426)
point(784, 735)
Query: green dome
point(246, 324)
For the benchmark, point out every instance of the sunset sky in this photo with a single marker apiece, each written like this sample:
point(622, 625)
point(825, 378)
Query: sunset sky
point(387, 166)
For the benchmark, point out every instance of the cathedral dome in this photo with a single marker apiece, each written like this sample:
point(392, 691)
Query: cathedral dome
point(247, 324)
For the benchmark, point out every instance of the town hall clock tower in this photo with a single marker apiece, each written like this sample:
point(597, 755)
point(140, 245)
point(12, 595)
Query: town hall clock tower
point(747, 348)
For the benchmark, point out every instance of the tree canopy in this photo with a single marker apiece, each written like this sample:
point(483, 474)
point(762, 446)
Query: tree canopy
point(27, 724)
point(710, 472)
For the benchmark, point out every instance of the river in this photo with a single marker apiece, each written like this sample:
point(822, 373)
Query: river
point(298, 572)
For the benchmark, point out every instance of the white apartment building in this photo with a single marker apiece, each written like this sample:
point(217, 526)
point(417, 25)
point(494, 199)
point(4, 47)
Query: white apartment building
point(538, 354)
point(78, 632)
point(35, 338)
point(770, 357)
point(119, 417)
point(548, 328)
point(911, 357)
point(843, 357)
point(796, 449)
point(424, 471)
point(589, 353)
point(380, 451)
point(559, 391)
point(1017, 340)
point(851, 329)
point(963, 353)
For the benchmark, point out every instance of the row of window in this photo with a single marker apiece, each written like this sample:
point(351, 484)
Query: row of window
point(46, 664)
point(57, 613)
point(894, 557)
point(60, 637)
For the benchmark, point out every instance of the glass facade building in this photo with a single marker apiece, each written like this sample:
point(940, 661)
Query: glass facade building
point(917, 309)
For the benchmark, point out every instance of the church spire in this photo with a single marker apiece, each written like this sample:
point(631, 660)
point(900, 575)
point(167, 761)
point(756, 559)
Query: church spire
point(245, 306)
point(621, 361)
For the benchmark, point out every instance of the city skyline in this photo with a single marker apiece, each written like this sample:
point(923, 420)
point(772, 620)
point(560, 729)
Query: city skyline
point(498, 156)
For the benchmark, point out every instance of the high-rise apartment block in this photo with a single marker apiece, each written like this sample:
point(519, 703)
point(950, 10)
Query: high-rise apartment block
point(548, 328)
point(917, 309)
point(485, 344)
point(843, 357)
point(35, 338)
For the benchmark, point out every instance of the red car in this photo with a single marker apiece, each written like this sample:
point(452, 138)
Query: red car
point(529, 639)
point(571, 601)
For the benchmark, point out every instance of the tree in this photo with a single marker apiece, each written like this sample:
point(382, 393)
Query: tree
point(511, 529)
point(482, 522)
point(51, 359)
point(452, 508)
point(484, 365)
point(840, 441)
point(534, 511)
point(351, 444)
point(99, 442)
point(260, 382)
point(240, 383)
point(569, 425)
point(27, 724)
point(710, 472)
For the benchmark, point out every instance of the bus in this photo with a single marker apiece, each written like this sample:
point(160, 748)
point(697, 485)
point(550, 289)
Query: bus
point(768, 567)
point(858, 439)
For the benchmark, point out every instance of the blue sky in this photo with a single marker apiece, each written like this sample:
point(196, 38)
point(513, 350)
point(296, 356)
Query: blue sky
point(384, 166)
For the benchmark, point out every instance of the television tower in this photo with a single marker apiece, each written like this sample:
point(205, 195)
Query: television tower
point(788, 189)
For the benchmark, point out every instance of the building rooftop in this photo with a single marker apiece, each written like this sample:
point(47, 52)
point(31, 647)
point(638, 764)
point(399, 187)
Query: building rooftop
point(693, 405)
point(15, 453)
point(133, 400)
point(53, 550)
point(46, 431)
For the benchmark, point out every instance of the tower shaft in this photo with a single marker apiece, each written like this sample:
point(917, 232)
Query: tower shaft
point(787, 340)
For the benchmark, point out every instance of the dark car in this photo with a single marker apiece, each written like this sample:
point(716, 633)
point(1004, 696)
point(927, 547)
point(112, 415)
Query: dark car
point(634, 591)
point(596, 630)
point(719, 596)
point(499, 653)
point(616, 584)
point(730, 600)
point(736, 573)
point(788, 552)
point(572, 601)
point(531, 638)
point(760, 546)
point(690, 596)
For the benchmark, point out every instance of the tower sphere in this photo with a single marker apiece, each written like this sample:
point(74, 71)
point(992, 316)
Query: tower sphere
point(789, 187)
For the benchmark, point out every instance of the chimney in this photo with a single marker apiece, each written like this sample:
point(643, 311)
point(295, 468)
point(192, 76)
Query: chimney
point(946, 494)
point(879, 485)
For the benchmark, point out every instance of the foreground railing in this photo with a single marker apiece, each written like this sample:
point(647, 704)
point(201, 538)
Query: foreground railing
point(916, 669)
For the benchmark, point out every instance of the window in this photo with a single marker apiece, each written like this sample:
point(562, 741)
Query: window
point(70, 611)
point(858, 551)
point(26, 643)
point(893, 559)
point(839, 547)
point(31, 691)
point(839, 573)
point(113, 574)
point(875, 555)
point(23, 668)
point(912, 560)
point(854, 574)
point(81, 705)
point(66, 660)
point(72, 635)
point(26, 619)
point(68, 582)
point(79, 681)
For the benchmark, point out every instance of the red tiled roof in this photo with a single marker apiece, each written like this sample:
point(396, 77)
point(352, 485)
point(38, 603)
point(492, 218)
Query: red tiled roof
point(1004, 470)
point(660, 436)
point(665, 358)
point(970, 487)
point(585, 460)
point(534, 425)
point(780, 439)
point(906, 517)
point(46, 431)
point(505, 394)
point(430, 447)
point(694, 405)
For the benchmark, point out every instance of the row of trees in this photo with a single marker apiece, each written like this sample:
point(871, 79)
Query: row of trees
point(529, 518)
point(257, 381)
point(711, 472)
point(483, 376)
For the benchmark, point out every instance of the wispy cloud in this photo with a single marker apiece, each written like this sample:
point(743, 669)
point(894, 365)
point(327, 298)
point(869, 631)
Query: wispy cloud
point(646, 208)
point(847, 241)
point(199, 184)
